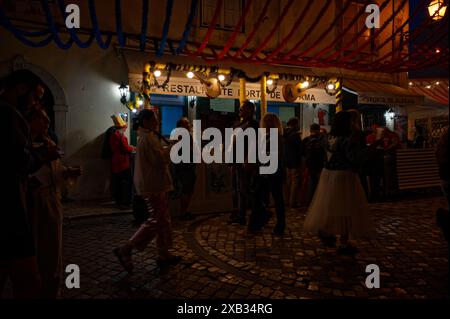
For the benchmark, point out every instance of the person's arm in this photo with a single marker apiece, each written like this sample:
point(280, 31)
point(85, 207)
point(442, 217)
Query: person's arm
point(124, 146)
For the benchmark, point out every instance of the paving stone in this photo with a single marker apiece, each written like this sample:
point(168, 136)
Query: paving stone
point(408, 247)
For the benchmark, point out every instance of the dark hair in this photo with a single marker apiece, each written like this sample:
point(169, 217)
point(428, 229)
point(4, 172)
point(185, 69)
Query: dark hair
point(314, 127)
point(342, 124)
point(293, 122)
point(22, 77)
point(250, 105)
point(144, 115)
point(181, 121)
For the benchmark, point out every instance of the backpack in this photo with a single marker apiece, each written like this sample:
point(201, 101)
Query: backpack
point(314, 152)
point(106, 152)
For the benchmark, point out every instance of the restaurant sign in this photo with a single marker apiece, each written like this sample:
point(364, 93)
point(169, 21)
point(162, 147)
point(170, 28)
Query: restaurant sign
point(365, 98)
point(193, 87)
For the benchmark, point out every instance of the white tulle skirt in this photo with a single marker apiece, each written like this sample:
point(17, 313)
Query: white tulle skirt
point(339, 206)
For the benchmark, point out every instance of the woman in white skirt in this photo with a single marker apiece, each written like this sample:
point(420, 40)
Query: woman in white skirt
point(339, 205)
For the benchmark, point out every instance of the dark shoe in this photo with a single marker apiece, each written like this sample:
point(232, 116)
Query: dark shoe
point(347, 250)
point(124, 260)
point(442, 220)
point(328, 240)
point(278, 231)
point(237, 220)
point(170, 261)
point(188, 216)
point(266, 218)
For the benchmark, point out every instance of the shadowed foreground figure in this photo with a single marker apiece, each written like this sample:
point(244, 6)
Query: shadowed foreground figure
point(17, 248)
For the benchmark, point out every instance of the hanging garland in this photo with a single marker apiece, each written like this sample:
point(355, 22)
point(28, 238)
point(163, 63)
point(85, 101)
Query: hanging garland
point(168, 70)
point(21, 35)
point(118, 12)
point(329, 56)
point(162, 46)
point(274, 29)
point(188, 27)
point(96, 30)
point(143, 37)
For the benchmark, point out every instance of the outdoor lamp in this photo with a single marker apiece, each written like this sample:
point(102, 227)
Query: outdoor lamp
point(123, 89)
point(190, 75)
point(157, 73)
point(269, 82)
point(305, 84)
point(389, 115)
point(221, 77)
point(436, 9)
point(331, 86)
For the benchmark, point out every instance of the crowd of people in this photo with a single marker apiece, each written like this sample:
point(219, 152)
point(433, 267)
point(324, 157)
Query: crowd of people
point(326, 173)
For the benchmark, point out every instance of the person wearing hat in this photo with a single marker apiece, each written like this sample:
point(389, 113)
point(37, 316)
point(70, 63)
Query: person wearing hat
point(120, 164)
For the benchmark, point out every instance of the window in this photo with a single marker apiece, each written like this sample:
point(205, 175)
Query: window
point(356, 28)
point(231, 11)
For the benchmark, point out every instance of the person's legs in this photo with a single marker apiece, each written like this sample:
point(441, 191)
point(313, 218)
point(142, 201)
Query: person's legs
point(49, 244)
point(314, 177)
point(25, 278)
point(296, 180)
point(277, 193)
point(187, 180)
point(288, 186)
point(164, 226)
point(115, 187)
point(244, 196)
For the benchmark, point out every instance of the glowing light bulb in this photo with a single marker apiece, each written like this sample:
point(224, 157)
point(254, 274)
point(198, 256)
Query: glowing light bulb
point(190, 75)
point(269, 82)
point(331, 86)
point(305, 84)
point(437, 83)
point(438, 51)
point(133, 110)
point(428, 86)
point(410, 83)
point(157, 73)
point(221, 77)
point(140, 102)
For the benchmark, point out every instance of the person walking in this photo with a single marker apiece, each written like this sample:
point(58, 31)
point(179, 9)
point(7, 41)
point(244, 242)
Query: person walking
point(315, 156)
point(153, 182)
point(293, 162)
point(339, 205)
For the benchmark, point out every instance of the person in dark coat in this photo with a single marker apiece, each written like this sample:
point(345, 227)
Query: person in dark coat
point(293, 153)
point(22, 91)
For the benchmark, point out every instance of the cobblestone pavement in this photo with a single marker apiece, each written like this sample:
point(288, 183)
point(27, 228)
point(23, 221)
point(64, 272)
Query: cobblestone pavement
point(223, 261)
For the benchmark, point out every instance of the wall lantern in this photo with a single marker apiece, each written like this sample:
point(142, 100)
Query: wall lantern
point(123, 89)
point(436, 9)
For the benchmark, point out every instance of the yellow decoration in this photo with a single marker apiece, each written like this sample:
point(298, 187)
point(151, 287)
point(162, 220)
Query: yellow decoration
point(242, 91)
point(263, 95)
point(339, 96)
point(118, 121)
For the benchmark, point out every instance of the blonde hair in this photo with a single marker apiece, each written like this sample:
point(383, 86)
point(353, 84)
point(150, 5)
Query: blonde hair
point(271, 120)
